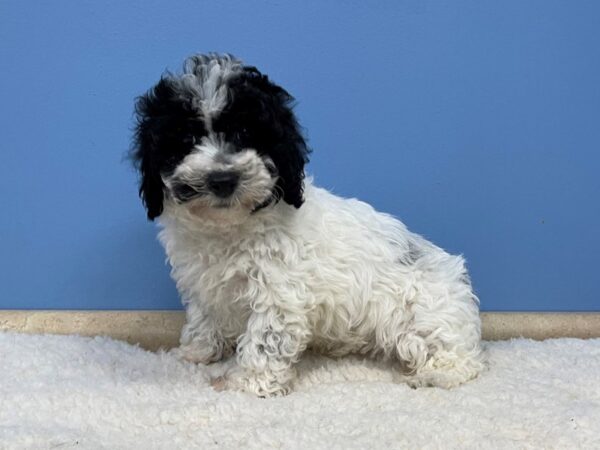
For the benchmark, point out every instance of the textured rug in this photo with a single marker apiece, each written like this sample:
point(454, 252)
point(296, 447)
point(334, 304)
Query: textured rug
point(67, 391)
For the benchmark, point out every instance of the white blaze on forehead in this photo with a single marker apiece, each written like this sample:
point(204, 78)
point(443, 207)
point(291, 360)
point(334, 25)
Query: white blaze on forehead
point(209, 146)
point(206, 76)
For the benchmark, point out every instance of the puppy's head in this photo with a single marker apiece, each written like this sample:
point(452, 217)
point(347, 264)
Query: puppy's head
point(219, 140)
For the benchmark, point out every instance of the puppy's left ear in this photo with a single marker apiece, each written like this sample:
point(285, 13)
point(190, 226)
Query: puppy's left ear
point(288, 151)
point(291, 157)
point(291, 154)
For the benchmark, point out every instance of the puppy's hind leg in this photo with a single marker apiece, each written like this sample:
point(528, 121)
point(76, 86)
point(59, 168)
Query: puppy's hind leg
point(447, 369)
point(439, 341)
point(435, 357)
point(429, 361)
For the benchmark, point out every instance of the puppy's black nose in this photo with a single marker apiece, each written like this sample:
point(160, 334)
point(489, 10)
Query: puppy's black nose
point(222, 184)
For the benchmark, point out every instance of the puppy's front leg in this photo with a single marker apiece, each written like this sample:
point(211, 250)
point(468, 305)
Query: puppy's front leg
point(201, 341)
point(274, 340)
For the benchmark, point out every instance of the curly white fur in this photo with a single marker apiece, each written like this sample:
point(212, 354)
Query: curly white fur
point(267, 272)
point(336, 276)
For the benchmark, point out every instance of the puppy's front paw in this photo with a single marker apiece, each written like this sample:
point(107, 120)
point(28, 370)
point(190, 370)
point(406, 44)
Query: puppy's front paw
point(259, 384)
point(197, 354)
point(219, 384)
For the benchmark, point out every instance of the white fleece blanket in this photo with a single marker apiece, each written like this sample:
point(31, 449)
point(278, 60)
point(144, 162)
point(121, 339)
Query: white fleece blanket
point(67, 391)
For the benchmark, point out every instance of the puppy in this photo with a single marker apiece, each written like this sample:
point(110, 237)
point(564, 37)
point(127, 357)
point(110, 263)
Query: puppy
point(268, 264)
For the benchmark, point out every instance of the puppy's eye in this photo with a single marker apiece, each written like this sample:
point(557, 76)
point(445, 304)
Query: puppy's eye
point(242, 134)
point(189, 140)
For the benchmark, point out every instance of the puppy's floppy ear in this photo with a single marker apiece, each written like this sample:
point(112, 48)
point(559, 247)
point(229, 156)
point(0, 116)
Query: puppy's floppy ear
point(150, 111)
point(288, 150)
point(291, 154)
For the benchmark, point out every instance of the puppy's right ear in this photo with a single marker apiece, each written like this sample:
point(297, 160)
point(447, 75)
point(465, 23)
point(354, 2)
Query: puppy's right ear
point(151, 112)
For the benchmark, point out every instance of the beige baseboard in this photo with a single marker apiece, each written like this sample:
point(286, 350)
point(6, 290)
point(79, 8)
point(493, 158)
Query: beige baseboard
point(160, 329)
point(150, 329)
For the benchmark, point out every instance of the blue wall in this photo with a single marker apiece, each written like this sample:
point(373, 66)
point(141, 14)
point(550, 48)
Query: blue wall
point(476, 122)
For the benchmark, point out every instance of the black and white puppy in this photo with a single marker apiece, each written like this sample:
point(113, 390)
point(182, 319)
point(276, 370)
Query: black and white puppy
point(269, 265)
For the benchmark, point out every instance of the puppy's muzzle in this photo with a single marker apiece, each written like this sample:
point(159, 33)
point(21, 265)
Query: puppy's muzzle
point(222, 184)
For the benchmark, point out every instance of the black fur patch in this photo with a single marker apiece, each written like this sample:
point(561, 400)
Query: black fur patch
point(167, 128)
point(260, 116)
